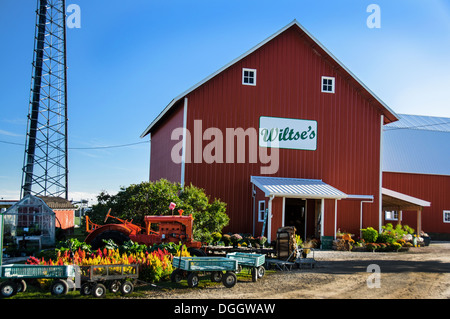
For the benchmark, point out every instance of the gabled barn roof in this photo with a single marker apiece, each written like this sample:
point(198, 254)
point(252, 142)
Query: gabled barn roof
point(389, 115)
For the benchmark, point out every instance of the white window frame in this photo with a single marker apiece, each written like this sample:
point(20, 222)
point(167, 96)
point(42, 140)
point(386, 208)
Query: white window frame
point(261, 211)
point(393, 215)
point(443, 216)
point(333, 84)
point(247, 77)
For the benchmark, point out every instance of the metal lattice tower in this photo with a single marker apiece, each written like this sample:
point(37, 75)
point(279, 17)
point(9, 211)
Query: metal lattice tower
point(45, 168)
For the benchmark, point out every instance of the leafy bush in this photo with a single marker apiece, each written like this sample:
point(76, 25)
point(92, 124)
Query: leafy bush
point(369, 235)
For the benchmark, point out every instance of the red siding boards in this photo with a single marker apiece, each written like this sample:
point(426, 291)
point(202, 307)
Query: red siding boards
point(161, 164)
point(431, 188)
point(289, 70)
point(347, 154)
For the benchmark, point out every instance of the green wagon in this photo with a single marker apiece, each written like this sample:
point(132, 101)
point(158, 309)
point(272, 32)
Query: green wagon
point(222, 270)
point(14, 278)
point(254, 262)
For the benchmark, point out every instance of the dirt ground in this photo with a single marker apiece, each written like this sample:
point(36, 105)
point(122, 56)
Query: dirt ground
point(420, 273)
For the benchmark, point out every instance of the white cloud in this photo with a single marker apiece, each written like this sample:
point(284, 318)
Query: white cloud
point(8, 133)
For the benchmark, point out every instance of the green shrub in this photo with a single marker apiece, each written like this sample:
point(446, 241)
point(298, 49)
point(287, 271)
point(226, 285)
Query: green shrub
point(369, 234)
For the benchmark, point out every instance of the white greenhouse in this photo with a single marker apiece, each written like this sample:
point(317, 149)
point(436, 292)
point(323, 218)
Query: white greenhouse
point(29, 220)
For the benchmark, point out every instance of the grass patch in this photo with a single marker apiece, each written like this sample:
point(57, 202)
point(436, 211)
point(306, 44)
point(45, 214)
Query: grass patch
point(141, 290)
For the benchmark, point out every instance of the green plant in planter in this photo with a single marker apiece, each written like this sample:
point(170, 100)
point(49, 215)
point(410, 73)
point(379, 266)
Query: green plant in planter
point(372, 246)
point(261, 240)
point(216, 237)
point(226, 238)
point(396, 246)
point(235, 239)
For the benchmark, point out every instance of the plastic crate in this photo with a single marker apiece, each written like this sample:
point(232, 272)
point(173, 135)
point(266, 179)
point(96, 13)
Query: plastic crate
point(251, 260)
point(205, 263)
point(37, 271)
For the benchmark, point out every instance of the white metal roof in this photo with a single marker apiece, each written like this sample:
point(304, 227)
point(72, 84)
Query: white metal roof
point(405, 198)
point(294, 22)
point(296, 187)
point(417, 144)
point(420, 122)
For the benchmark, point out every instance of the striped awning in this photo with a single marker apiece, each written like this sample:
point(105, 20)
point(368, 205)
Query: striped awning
point(296, 187)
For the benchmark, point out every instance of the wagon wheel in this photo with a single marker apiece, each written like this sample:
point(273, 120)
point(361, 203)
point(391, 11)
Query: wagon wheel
point(177, 275)
point(229, 279)
point(59, 287)
point(99, 291)
point(261, 271)
point(216, 276)
point(8, 289)
point(21, 285)
point(193, 280)
point(114, 286)
point(254, 274)
point(86, 289)
point(127, 287)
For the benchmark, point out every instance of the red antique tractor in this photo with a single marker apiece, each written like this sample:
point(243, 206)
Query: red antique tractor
point(157, 230)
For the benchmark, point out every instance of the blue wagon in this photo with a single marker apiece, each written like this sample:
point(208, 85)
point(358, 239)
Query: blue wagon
point(222, 270)
point(14, 278)
point(254, 262)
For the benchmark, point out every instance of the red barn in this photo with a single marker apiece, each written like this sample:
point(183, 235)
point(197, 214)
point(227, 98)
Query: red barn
point(285, 135)
point(416, 162)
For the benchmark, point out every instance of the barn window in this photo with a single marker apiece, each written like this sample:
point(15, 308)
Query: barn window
point(261, 210)
point(327, 84)
point(391, 215)
point(249, 76)
point(446, 216)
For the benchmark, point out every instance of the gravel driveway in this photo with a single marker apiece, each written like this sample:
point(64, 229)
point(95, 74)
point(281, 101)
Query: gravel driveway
point(420, 273)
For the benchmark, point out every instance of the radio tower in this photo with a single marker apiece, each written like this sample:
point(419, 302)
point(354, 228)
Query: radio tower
point(45, 168)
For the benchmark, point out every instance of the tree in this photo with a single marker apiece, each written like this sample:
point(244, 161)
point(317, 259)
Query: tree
point(153, 198)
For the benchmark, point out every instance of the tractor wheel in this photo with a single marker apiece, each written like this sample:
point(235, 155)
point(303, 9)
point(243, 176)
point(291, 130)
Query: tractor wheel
point(196, 252)
point(116, 236)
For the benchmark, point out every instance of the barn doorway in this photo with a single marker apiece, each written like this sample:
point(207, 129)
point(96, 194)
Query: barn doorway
point(294, 215)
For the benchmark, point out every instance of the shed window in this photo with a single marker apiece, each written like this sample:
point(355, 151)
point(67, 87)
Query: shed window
point(327, 84)
point(446, 216)
point(249, 76)
point(261, 210)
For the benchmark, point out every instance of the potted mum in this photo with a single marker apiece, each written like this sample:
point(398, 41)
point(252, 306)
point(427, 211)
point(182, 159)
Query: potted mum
point(235, 239)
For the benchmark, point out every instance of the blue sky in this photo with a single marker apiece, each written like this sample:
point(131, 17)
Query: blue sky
point(130, 59)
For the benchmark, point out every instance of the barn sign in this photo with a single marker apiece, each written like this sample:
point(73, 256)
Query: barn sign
point(276, 132)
